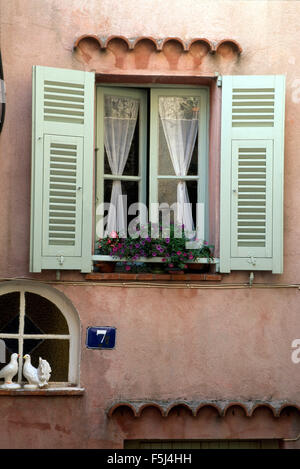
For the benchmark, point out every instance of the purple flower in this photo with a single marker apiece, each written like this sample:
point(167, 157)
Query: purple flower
point(167, 240)
point(154, 254)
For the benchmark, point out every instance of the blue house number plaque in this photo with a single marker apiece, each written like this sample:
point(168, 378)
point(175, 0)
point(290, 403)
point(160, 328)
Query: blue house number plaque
point(101, 337)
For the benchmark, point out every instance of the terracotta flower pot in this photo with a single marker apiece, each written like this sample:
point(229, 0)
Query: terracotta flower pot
point(197, 267)
point(105, 267)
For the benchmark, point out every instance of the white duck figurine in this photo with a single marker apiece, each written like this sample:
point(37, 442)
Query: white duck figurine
point(9, 371)
point(36, 377)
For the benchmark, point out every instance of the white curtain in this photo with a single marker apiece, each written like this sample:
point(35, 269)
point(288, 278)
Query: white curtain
point(179, 118)
point(119, 124)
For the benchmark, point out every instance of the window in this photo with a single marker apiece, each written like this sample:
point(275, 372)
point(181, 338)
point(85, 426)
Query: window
point(151, 148)
point(38, 321)
point(248, 216)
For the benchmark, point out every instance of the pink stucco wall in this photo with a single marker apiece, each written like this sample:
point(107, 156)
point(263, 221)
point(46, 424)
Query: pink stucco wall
point(227, 341)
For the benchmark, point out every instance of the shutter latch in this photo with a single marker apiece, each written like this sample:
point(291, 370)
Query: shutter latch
point(219, 79)
point(252, 260)
point(60, 260)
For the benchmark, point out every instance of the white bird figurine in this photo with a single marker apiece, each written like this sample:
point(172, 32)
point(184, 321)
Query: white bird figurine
point(9, 371)
point(36, 377)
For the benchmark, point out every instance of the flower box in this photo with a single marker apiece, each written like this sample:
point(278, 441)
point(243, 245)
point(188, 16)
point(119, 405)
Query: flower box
point(171, 249)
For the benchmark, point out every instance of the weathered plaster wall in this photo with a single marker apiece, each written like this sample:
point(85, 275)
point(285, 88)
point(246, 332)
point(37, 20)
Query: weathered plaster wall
point(171, 343)
point(266, 30)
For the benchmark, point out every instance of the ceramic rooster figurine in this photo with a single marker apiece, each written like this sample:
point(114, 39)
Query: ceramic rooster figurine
point(36, 377)
point(9, 371)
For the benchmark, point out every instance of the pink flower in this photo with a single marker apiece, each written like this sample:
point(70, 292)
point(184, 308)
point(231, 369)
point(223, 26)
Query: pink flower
point(178, 253)
point(171, 265)
point(113, 234)
point(127, 267)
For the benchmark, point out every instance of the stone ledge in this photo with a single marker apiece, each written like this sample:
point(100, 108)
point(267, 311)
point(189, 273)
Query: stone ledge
point(66, 392)
point(154, 277)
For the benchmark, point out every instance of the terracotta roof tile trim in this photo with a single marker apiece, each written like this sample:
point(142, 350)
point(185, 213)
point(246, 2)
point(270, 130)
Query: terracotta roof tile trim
point(213, 47)
point(194, 407)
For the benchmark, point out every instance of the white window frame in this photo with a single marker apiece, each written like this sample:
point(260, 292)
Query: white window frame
point(202, 176)
point(66, 309)
point(101, 177)
point(152, 173)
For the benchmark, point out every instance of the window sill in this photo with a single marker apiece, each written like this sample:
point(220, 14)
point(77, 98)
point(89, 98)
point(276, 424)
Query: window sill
point(98, 276)
point(199, 260)
point(64, 391)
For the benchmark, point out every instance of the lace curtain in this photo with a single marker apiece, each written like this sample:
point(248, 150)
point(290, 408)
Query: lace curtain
point(180, 116)
point(119, 123)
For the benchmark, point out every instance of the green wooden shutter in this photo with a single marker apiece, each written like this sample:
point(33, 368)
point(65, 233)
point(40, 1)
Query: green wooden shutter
point(252, 155)
point(62, 169)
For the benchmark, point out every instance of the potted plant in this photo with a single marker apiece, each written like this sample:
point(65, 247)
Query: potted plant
point(155, 242)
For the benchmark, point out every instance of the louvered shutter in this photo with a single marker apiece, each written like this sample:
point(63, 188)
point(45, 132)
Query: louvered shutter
point(62, 169)
point(252, 155)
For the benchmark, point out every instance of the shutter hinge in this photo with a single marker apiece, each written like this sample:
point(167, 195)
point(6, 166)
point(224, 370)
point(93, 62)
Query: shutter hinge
point(219, 79)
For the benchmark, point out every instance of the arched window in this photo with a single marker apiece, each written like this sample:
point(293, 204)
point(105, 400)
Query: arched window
point(38, 320)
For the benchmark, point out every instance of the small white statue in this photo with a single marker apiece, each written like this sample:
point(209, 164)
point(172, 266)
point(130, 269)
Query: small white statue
point(36, 377)
point(9, 371)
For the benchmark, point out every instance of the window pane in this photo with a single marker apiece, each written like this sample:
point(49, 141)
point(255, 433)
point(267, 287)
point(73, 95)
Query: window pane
point(29, 345)
point(42, 316)
point(56, 352)
point(167, 193)
point(121, 135)
point(178, 132)
point(132, 164)
point(129, 188)
point(6, 352)
point(9, 312)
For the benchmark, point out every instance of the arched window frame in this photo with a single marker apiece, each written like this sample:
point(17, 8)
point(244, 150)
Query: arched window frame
point(67, 310)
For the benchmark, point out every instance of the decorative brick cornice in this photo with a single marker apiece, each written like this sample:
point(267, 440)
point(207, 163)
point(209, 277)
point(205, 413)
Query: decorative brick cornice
point(222, 407)
point(212, 46)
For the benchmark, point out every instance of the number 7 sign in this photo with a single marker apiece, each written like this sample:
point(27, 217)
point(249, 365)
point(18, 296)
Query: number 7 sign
point(101, 337)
